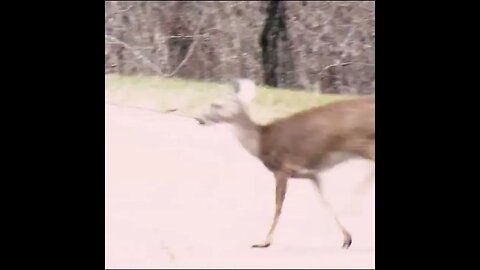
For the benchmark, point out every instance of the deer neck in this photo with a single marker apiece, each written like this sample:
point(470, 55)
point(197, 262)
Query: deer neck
point(247, 133)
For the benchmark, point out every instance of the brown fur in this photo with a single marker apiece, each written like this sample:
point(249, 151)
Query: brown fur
point(304, 139)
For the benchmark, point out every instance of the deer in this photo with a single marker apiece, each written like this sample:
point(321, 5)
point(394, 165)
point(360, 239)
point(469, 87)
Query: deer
point(301, 145)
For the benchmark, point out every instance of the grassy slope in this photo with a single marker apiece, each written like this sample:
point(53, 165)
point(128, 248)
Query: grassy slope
point(191, 98)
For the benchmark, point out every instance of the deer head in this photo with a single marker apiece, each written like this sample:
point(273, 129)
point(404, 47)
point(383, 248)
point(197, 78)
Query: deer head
point(232, 107)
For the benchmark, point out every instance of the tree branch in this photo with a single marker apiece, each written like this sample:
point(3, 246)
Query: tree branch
point(333, 65)
point(124, 10)
point(343, 64)
point(192, 46)
point(138, 54)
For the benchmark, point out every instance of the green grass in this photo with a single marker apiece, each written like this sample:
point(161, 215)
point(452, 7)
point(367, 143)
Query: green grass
point(192, 98)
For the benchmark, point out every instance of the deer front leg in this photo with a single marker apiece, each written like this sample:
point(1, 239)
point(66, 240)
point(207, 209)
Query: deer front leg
point(280, 190)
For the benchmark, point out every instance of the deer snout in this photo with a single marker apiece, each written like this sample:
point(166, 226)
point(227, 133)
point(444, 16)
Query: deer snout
point(205, 120)
point(200, 120)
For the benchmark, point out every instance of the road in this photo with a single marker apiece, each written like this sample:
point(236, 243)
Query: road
point(183, 195)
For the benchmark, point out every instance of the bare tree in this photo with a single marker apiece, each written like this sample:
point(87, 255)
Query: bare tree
point(322, 46)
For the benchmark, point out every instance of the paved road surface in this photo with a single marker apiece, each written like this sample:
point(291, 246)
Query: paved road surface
point(183, 195)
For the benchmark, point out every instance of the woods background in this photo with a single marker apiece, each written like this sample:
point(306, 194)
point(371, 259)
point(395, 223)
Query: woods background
point(327, 47)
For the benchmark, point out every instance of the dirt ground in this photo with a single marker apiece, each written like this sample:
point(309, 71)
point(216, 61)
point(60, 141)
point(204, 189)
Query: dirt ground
point(182, 195)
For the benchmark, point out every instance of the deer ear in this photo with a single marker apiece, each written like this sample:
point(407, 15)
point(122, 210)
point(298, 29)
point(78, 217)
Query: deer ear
point(245, 90)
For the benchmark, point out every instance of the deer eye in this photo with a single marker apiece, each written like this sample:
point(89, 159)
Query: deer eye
point(216, 106)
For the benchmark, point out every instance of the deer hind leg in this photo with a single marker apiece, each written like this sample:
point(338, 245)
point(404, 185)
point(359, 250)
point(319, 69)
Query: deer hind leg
point(280, 190)
point(347, 238)
point(367, 181)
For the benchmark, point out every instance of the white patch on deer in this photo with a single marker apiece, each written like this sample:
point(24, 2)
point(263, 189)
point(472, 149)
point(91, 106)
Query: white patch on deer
point(246, 90)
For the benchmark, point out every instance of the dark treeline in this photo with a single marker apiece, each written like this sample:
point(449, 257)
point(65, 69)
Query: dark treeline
point(327, 47)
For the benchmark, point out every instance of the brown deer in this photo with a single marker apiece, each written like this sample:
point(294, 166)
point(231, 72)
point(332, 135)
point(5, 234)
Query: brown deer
point(302, 145)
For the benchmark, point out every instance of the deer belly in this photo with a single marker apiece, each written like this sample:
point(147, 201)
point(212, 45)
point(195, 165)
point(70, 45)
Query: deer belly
point(324, 163)
point(296, 170)
point(334, 158)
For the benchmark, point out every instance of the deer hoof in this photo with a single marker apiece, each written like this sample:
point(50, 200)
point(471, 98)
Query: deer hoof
point(265, 245)
point(347, 243)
